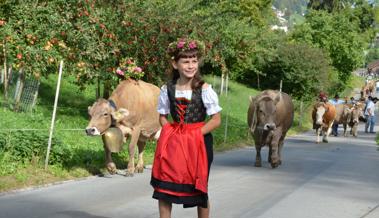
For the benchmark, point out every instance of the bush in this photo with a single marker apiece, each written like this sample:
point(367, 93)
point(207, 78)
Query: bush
point(25, 146)
point(303, 69)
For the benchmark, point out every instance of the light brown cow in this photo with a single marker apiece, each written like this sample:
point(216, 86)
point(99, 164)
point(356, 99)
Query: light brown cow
point(343, 116)
point(132, 107)
point(269, 117)
point(356, 114)
point(323, 116)
point(368, 89)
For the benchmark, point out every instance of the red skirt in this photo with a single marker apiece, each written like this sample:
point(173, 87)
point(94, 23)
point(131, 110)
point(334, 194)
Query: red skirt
point(180, 169)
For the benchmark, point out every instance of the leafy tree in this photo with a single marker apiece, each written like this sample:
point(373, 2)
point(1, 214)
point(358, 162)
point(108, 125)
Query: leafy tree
point(329, 5)
point(30, 37)
point(233, 28)
point(338, 36)
point(304, 70)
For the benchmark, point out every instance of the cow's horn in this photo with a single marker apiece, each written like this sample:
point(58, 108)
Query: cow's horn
point(251, 98)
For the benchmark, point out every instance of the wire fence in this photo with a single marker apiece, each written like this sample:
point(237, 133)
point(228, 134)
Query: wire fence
point(22, 94)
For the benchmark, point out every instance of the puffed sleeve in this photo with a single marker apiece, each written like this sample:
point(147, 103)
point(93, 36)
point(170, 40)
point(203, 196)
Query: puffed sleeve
point(163, 102)
point(210, 100)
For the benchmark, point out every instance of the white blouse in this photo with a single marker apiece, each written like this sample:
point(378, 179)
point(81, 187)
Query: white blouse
point(208, 95)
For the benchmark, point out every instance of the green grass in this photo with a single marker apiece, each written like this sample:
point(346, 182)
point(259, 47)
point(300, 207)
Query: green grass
point(233, 131)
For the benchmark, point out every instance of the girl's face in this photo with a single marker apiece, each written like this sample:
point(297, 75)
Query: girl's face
point(187, 67)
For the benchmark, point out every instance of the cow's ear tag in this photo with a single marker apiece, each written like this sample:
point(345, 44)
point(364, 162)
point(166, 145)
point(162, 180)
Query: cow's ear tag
point(120, 114)
point(117, 115)
point(124, 112)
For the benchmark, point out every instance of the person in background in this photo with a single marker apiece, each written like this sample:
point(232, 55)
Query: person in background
point(322, 97)
point(335, 101)
point(352, 101)
point(370, 114)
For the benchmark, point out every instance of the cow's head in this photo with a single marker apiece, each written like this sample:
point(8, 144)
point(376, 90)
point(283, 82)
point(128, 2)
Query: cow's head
point(265, 113)
point(103, 115)
point(320, 109)
point(356, 115)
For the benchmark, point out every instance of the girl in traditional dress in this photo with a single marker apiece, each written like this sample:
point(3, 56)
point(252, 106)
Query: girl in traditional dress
point(184, 151)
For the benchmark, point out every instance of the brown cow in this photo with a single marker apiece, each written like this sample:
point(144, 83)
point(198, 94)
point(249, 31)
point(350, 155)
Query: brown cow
point(343, 116)
point(368, 89)
point(356, 114)
point(323, 116)
point(132, 107)
point(269, 117)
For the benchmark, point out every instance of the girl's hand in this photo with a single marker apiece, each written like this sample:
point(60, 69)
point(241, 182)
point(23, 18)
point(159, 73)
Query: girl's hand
point(212, 124)
point(163, 119)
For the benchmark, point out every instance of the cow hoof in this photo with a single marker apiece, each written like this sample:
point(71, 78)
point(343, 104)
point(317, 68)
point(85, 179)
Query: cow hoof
point(129, 174)
point(274, 165)
point(111, 168)
point(325, 140)
point(139, 170)
point(258, 164)
point(279, 162)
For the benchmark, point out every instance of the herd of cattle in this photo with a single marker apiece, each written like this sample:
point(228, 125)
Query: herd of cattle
point(132, 109)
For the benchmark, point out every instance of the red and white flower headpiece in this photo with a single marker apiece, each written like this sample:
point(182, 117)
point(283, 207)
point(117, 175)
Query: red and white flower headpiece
point(185, 44)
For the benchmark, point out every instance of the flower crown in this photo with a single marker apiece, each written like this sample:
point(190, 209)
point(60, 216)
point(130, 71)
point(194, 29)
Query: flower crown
point(185, 44)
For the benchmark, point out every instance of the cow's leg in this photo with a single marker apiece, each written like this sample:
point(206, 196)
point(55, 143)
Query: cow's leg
point(132, 147)
point(345, 129)
point(269, 154)
point(327, 133)
point(318, 132)
point(275, 147)
point(281, 142)
point(141, 148)
point(111, 167)
point(354, 130)
point(258, 160)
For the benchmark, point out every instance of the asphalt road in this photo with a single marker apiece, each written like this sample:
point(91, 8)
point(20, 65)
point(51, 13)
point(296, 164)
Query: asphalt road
point(339, 179)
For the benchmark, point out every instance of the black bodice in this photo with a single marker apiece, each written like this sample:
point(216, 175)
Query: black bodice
point(192, 111)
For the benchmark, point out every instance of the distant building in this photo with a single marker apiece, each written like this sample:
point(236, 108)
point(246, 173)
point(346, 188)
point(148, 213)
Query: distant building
point(283, 23)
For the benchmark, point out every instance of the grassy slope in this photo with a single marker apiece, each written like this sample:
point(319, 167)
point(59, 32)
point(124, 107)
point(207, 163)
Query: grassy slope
point(86, 153)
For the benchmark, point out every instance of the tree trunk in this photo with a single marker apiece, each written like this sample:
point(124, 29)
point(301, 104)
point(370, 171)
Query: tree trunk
point(258, 82)
point(19, 90)
point(227, 84)
point(5, 73)
point(107, 89)
point(35, 95)
point(222, 82)
point(98, 89)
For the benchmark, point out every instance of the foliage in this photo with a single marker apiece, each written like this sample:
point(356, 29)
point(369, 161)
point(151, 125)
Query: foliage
point(372, 55)
point(31, 35)
point(302, 78)
point(25, 146)
point(233, 28)
point(338, 36)
point(330, 6)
